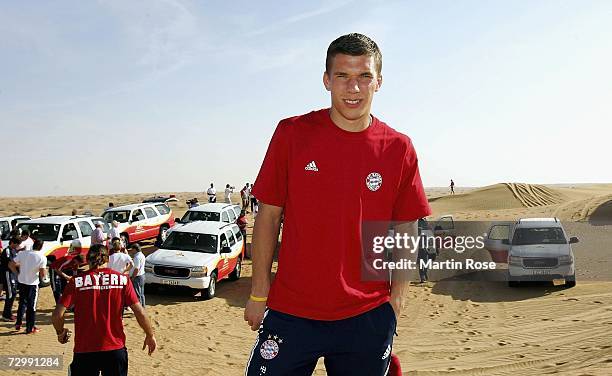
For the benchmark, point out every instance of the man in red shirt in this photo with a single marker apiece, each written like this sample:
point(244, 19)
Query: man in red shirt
point(319, 304)
point(63, 269)
point(98, 297)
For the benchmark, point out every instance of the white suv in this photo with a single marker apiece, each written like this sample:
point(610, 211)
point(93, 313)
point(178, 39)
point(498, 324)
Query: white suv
point(139, 222)
point(538, 249)
point(61, 235)
point(197, 255)
point(218, 212)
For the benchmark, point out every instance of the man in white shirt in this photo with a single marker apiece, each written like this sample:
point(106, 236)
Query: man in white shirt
point(228, 193)
point(29, 264)
point(114, 231)
point(138, 272)
point(118, 260)
point(212, 193)
point(26, 241)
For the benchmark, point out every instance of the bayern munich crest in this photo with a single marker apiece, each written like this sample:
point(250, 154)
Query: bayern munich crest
point(269, 349)
point(374, 181)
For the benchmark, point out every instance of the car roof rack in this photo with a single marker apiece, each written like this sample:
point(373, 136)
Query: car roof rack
point(549, 219)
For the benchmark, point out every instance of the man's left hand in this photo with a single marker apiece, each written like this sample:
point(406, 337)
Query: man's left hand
point(64, 336)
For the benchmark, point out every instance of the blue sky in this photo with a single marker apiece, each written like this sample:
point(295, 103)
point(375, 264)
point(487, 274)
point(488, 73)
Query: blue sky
point(152, 96)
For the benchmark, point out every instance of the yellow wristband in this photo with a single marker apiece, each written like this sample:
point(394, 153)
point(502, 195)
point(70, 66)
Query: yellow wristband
point(258, 299)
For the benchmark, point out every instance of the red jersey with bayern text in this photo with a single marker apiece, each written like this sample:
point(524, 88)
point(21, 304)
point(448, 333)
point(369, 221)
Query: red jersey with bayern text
point(329, 182)
point(99, 296)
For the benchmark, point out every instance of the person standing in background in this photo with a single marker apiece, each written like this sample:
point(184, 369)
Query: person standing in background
point(118, 260)
point(26, 241)
point(228, 193)
point(98, 236)
point(29, 266)
point(9, 278)
point(244, 196)
point(242, 224)
point(138, 273)
point(114, 231)
point(212, 193)
point(64, 269)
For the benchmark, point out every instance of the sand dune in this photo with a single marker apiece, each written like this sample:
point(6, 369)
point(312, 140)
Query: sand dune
point(492, 197)
point(596, 209)
point(451, 327)
point(531, 195)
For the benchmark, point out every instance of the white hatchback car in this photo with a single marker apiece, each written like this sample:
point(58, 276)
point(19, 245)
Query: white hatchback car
point(197, 255)
point(538, 249)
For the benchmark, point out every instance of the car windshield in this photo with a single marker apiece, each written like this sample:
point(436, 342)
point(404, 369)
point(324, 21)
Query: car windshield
point(538, 235)
point(191, 216)
point(120, 216)
point(189, 241)
point(41, 231)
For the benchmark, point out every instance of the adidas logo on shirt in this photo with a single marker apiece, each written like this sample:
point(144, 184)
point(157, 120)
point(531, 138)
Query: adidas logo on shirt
point(312, 166)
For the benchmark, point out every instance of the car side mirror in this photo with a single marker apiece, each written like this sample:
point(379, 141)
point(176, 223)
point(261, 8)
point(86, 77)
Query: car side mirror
point(226, 249)
point(506, 241)
point(177, 220)
point(573, 240)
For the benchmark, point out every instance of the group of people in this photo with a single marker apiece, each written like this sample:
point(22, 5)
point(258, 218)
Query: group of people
point(22, 265)
point(246, 196)
point(128, 262)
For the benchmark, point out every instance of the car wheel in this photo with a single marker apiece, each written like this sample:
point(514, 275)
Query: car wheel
point(235, 274)
point(125, 240)
point(46, 281)
point(570, 281)
point(209, 293)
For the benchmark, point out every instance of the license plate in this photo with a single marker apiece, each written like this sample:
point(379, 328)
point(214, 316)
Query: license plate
point(558, 281)
point(541, 272)
point(170, 282)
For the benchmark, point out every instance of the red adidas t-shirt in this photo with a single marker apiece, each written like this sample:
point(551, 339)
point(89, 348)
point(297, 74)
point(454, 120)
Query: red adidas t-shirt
point(329, 182)
point(99, 296)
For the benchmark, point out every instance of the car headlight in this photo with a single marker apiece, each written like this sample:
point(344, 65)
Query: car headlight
point(515, 260)
point(148, 267)
point(566, 260)
point(199, 271)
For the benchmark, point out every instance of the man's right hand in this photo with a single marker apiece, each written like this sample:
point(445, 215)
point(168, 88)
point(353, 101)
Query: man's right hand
point(151, 343)
point(253, 313)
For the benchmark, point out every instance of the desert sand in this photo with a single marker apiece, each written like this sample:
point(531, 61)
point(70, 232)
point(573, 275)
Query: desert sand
point(449, 327)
